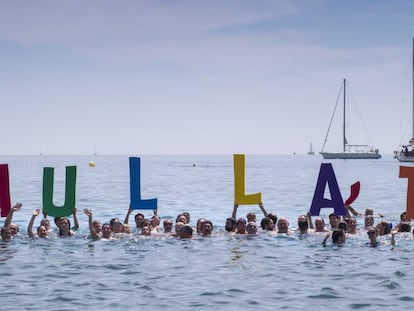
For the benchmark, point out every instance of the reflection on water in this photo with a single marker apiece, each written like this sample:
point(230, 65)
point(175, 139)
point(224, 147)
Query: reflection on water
point(236, 254)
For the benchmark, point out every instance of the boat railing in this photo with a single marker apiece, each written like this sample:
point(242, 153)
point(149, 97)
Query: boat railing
point(360, 148)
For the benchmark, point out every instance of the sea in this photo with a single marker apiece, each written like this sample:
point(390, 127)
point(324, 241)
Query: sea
point(221, 272)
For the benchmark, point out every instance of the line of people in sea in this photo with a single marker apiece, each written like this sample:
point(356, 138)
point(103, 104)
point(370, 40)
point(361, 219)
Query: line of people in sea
point(340, 227)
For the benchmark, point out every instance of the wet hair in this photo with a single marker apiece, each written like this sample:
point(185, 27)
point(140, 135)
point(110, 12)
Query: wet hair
point(369, 211)
point(343, 226)
point(43, 221)
point(106, 224)
point(303, 225)
point(336, 234)
point(386, 227)
point(403, 215)
point(62, 219)
point(169, 220)
point(177, 219)
point(405, 226)
point(186, 231)
point(241, 220)
point(333, 215)
point(155, 217)
point(273, 217)
point(146, 223)
point(265, 222)
point(187, 215)
point(233, 224)
point(208, 222)
point(57, 220)
point(251, 214)
point(321, 219)
point(200, 221)
point(139, 214)
point(113, 221)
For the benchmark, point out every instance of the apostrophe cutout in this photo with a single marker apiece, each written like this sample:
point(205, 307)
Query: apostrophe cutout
point(5, 202)
point(70, 192)
point(240, 183)
point(354, 193)
point(408, 172)
point(327, 177)
point(135, 187)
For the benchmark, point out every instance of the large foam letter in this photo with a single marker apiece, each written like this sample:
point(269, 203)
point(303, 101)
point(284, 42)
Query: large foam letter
point(70, 192)
point(135, 187)
point(239, 183)
point(408, 172)
point(327, 176)
point(5, 204)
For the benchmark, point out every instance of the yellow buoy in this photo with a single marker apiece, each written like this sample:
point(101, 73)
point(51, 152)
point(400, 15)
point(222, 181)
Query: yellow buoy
point(92, 164)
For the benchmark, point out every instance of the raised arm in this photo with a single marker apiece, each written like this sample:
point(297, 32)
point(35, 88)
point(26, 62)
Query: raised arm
point(354, 212)
point(309, 218)
point(325, 239)
point(127, 215)
point(235, 210)
point(75, 219)
point(35, 213)
point(9, 217)
point(88, 213)
point(265, 213)
point(393, 233)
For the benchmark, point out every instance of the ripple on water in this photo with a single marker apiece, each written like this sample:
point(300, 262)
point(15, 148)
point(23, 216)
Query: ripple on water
point(406, 298)
point(236, 291)
point(211, 294)
point(326, 293)
point(389, 284)
point(399, 273)
point(359, 305)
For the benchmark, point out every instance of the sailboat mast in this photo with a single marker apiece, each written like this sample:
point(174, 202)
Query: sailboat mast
point(343, 131)
point(412, 137)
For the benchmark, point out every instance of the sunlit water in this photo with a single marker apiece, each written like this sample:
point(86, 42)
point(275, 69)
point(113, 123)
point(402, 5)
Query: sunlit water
point(265, 272)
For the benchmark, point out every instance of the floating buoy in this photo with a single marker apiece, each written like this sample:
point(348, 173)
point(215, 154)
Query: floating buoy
point(92, 164)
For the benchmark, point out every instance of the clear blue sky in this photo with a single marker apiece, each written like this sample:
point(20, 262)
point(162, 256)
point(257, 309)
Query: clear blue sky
point(200, 77)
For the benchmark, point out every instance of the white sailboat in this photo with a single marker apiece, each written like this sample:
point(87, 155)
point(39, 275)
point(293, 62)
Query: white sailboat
point(311, 152)
point(349, 151)
point(406, 153)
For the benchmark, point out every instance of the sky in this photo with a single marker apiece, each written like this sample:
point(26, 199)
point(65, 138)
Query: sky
point(202, 77)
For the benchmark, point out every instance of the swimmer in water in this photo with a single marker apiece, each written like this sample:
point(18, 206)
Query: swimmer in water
point(105, 229)
point(41, 230)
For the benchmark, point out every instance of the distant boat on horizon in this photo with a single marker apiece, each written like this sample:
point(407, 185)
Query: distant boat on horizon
point(311, 152)
point(348, 151)
point(406, 154)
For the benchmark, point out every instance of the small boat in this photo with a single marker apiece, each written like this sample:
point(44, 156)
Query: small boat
point(311, 152)
point(406, 153)
point(349, 151)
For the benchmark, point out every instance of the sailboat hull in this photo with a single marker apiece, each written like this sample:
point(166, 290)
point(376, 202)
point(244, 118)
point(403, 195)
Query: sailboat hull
point(407, 156)
point(351, 155)
point(405, 159)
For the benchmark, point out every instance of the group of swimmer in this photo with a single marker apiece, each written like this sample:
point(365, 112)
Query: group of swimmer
point(340, 226)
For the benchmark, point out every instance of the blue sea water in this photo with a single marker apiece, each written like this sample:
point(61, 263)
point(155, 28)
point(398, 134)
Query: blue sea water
point(264, 272)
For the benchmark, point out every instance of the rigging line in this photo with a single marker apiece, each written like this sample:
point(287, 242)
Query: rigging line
point(333, 114)
point(359, 115)
point(401, 140)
